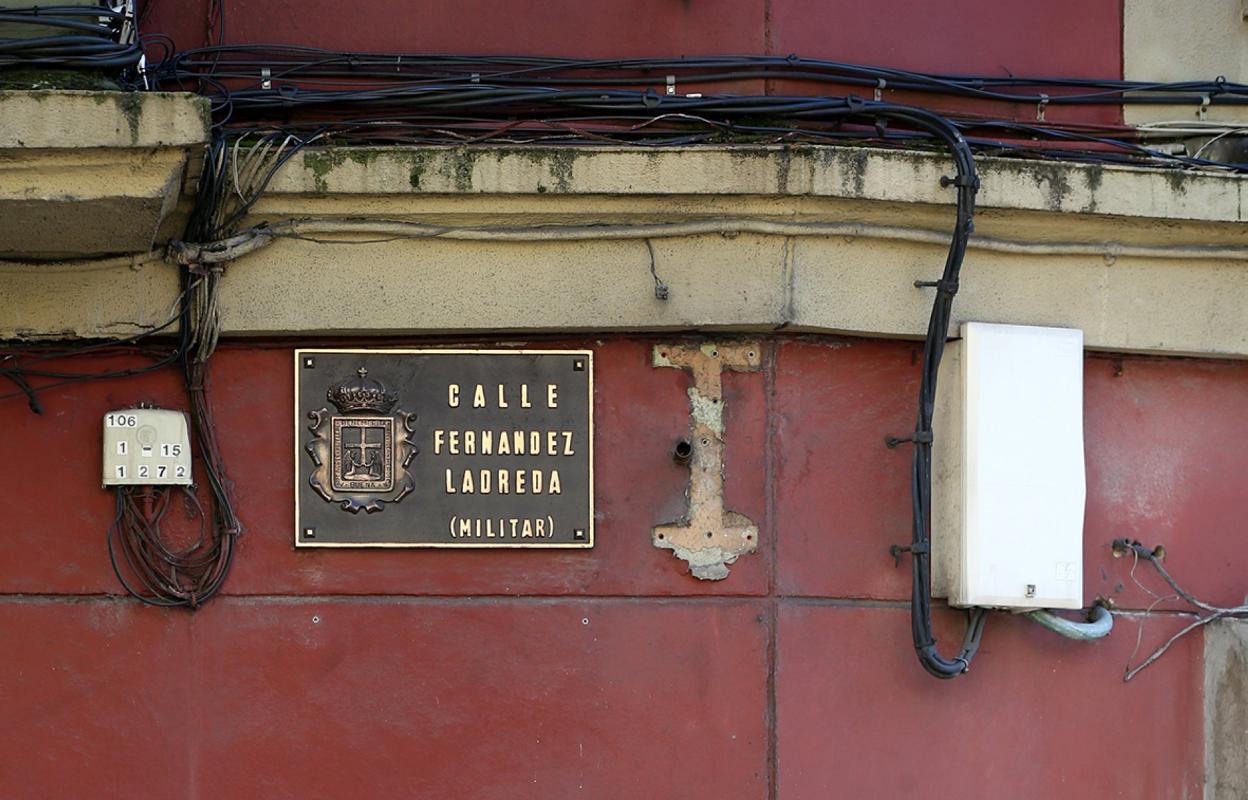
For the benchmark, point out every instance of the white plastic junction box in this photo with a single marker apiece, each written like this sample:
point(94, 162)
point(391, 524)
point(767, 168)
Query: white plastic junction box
point(1008, 482)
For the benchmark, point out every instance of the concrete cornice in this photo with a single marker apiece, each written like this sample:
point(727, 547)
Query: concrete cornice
point(815, 239)
point(86, 173)
point(844, 173)
point(62, 119)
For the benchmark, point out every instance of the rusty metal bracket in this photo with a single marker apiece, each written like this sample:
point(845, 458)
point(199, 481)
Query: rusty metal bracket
point(709, 538)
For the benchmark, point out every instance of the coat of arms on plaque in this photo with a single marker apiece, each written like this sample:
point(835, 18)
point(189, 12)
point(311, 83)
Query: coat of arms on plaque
point(362, 453)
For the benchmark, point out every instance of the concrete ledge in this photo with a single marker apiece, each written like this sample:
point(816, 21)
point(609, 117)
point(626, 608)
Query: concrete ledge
point(94, 173)
point(1133, 258)
point(77, 119)
point(847, 173)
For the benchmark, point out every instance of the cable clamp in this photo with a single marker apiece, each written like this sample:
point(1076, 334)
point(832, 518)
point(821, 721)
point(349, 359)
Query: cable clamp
point(671, 85)
point(960, 181)
point(474, 77)
point(1041, 106)
point(880, 86)
point(942, 286)
point(918, 549)
point(1203, 111)
point(266, 78)
point(918, 437)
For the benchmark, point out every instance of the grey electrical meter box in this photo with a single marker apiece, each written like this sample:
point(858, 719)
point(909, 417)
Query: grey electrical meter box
point(146, 447)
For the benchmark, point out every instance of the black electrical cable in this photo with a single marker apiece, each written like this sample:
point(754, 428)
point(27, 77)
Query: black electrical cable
point(188, 576)
point(20, 370)
point(966, 184)
point(71, 37)
point(161, 574)
point(287, 61)
point(465, 111)
point(351, 94)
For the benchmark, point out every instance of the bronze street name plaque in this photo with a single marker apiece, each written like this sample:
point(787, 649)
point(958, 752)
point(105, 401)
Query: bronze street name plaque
point(444, 448)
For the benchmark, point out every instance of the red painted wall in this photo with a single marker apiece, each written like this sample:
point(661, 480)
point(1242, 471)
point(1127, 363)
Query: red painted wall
point(611, 673)
point(1057, 38)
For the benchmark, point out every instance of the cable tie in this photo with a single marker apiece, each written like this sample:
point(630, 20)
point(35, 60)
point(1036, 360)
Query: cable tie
point(942, 286)
point(918, 437)
point(895, 550)
point(960, 181)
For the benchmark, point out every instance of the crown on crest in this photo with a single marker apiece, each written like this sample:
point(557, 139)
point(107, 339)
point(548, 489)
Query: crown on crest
point(361, 394)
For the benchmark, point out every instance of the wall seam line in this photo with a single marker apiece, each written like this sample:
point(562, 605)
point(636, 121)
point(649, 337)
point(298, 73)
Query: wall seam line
point(773, 550)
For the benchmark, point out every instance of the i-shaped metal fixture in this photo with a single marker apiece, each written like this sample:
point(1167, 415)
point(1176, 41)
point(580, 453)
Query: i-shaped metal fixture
point(709, 538)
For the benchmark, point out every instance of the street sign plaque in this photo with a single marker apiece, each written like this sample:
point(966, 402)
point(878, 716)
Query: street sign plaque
point(443, 448)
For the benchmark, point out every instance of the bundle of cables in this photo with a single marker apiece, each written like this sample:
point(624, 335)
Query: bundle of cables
point(100, 36)
point(439, 99)
point(165, 574)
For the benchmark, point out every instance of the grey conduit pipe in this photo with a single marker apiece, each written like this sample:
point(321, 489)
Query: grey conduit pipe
point(1099, 625)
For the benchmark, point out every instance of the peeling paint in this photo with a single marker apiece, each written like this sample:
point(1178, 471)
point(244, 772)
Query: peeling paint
point(706, 411)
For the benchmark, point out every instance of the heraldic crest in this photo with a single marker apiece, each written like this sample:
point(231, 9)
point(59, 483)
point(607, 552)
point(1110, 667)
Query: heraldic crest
point(362, 453)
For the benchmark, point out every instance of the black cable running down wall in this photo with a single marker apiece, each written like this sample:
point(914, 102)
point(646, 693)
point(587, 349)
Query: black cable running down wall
point(966, 183)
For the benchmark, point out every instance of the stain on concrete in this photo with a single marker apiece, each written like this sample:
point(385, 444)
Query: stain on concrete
point(131, 107)
point(1226, 710)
